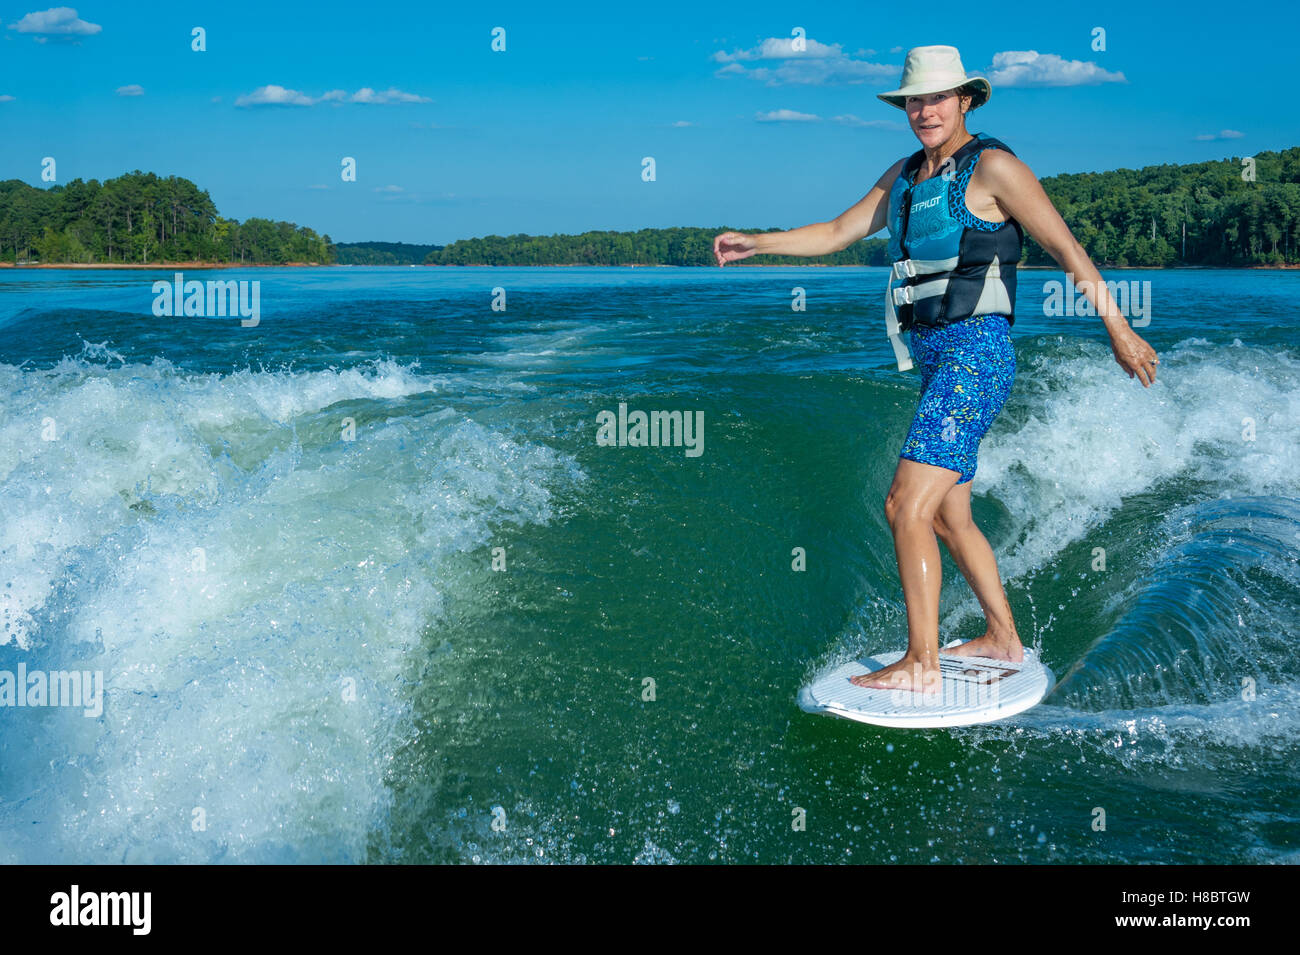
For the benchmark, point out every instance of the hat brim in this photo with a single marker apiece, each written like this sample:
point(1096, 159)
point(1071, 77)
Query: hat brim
point(898, 97)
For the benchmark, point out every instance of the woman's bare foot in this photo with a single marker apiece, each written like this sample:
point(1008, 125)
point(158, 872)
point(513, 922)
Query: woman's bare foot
point(997, 646)
point(909, 673)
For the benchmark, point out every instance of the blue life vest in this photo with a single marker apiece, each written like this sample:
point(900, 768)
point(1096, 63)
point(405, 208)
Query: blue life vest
point(948, 265)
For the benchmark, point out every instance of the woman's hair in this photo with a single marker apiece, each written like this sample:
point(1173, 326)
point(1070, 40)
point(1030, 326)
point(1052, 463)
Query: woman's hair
point(976, 94)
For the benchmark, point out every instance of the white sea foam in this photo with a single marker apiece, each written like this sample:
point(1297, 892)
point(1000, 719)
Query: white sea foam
point(1093, 437)
point(1267, 723)
point(253, 588)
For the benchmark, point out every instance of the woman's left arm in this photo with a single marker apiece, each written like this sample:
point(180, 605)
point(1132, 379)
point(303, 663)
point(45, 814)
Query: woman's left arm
point(1020, 196)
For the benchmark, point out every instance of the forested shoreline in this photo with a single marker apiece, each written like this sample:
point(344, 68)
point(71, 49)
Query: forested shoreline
point(141, 218)
point(1210, 214)
point(382, 253)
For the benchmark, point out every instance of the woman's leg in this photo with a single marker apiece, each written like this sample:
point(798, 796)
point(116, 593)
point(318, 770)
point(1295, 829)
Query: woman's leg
point(910, 507)
point(974, 557)
point(967, 372)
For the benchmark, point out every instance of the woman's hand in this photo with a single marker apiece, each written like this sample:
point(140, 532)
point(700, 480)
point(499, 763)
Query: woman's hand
point(1134, 355)
point(733, 246)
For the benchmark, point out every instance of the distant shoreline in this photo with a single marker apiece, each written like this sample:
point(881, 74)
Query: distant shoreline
point(82, 266)
point(164, 265)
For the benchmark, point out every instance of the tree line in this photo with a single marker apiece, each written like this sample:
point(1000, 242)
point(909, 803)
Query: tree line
point(1219, 213)
point(1233, 212)
point(142, 218)
point(682, 245)
point(1229, 212)
point(382, 253)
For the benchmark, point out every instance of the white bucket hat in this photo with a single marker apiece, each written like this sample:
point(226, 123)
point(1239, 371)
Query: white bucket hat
point(933, 69)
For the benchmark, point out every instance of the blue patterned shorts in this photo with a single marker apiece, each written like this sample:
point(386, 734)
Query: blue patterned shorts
point(966, 373)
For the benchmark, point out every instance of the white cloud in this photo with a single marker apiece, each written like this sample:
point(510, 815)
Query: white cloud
point(56, 21)
point(682, 123)
point(6, 98)
point(787, 116)
point(1221, 134)
point(279, 96)
point(274, 96)
point(780, 48)
point(132, 89)
point(820, 64)
point(1031, 68)
point(848, 119)
point(390, 95)
point(844, 119)
point(389, 189)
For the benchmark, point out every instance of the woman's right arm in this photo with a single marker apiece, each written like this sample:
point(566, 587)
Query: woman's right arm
point(867, 217)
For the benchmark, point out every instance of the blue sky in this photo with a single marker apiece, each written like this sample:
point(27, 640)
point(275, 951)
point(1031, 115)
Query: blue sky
point(453, 140)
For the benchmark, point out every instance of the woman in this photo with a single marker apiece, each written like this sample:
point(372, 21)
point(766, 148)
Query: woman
point(956, 210)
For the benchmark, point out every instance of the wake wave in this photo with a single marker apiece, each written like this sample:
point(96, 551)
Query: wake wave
point(1217, 616)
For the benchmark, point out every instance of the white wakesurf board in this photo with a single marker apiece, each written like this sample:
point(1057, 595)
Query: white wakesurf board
point(974, 690)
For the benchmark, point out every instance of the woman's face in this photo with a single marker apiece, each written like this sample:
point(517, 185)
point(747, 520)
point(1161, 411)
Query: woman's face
point(935, 117)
